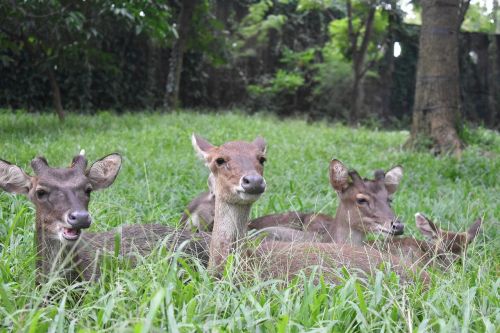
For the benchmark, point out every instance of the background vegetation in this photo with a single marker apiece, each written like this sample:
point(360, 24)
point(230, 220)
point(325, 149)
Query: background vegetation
point(161, 174)
point(322, 59)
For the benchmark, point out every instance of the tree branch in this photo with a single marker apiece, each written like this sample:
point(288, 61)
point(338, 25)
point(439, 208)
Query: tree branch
point(350, 29)
point(463, 6)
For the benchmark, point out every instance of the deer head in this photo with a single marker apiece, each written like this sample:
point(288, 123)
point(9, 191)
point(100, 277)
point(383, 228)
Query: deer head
point(366, 204)
point(447, 243)
point(61, 195)
point(236, 168)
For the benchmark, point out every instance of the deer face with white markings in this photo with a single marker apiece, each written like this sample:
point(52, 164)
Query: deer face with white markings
point(61, 195)
point(366, 204)
point(237, 169)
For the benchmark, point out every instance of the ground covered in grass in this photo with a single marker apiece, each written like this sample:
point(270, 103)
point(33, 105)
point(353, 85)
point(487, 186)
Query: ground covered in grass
point(161, 174)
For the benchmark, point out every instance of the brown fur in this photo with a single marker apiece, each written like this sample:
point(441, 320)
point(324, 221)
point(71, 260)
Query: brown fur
point(232, 204)
point(441, 250)
point(352, 222)
point(200, 213)
point(279, 259)
point(81, 259)
point(285, 260)
point(57, 191)
point(353, 219)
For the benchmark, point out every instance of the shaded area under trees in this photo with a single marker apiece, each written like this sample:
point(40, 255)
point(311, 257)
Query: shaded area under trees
point(295, 57)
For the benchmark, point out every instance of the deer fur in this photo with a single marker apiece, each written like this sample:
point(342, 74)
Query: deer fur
point(67, 250)
point(279, 259)
point(441, 249)
point(352, 222)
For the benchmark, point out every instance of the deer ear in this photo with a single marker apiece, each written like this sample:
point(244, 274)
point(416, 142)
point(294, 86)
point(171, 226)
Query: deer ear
point(261, 144)
point(13, 179)
point(339, 175)
point(103, 172)
point(474, 230)
point(39, 164)
point(426, 226)
point(393, 178)
point(201, 146)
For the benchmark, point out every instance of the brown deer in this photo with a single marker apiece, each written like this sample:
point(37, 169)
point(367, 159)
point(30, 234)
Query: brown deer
point(199, 215)
point(441, 248)
point(61, 197)
point(365, 207)
point(237, 169)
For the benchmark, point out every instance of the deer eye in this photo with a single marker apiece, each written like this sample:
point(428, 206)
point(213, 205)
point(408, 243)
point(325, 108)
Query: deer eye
point(389, 200)
point(262, 160)
point(361, 201)
point(40, 194)
point(220, 161)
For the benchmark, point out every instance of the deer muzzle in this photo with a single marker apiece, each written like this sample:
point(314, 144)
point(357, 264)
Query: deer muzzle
point(79, 219)
point(397, 227)
point(253, 184)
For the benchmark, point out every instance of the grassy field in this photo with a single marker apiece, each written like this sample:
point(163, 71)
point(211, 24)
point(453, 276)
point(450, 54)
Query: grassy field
point(161, 174)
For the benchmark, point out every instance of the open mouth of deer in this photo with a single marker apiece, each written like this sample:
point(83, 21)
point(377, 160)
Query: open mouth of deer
point(71, 233)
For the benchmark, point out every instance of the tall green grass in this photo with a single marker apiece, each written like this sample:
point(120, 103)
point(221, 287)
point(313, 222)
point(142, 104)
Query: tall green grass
point(161, 174)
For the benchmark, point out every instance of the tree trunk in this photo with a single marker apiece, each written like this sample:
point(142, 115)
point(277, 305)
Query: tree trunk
point(386, 79)
point(56, 94)
point(356, 98)
point(152, 68)
point(494, 76)
point(86, 95)
point(358, 63)
point(177, 53)
point(436, 116)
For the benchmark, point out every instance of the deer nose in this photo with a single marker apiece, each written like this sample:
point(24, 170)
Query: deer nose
point(79, 219)
point(253, 184)
point(397, 227)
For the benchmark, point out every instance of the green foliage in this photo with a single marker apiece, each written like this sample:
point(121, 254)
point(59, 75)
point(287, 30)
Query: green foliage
point(477, 19)
point(283, 82)
point(161, 174)
point(319, 5)
point(332, 90)
point(339, 33)
point(258, 23)
point(289, 80)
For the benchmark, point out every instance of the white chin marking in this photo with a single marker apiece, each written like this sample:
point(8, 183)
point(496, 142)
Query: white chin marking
point(248, 197)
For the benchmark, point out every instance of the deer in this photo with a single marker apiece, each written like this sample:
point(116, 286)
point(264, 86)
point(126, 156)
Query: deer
point(238, 182)
point(440, 249)
point(365, 207)
point(199, 215)
point(237, 168)
point(61, 197)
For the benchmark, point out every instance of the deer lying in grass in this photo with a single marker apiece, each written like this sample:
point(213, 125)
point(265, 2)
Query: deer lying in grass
point(61, 197)
point(364, 208)
point(441, 249)
point(199, 215)
point(237, 169)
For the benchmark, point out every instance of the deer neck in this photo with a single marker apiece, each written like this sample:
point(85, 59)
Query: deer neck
point(343, 228)
point(230, 226)
point(53, 255)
